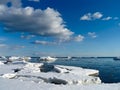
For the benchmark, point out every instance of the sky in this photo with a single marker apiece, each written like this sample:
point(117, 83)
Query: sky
point(59, 27)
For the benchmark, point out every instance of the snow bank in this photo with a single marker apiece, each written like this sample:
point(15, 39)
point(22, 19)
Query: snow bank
point(59, 74)
point(35, 76)
point(11, 84)
point(47, 59)
point(14, 58)
point(1, 63)
point(31, 68)
point(76, 70)
point(9, 75)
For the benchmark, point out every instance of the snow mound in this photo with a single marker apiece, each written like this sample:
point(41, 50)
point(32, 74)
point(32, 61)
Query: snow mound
point(9, 75)
point(47, 59)
point(32, 67)
point(74, 80)
point(1, 63)
point(59, 74)
point(48, 73)
point(76, 70)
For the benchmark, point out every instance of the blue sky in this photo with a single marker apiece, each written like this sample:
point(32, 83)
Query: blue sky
point(60, 27)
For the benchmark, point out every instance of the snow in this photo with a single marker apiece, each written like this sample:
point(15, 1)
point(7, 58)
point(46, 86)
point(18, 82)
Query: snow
point(11, 84)
point(32, 67)
point(14, 58)
point(19, 75)
point(75, 70)
point(9, 75)
point(1, 63)
point(47, 59)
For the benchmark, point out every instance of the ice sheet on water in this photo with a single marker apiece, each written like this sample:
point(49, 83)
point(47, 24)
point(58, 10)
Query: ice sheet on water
point(30, 75)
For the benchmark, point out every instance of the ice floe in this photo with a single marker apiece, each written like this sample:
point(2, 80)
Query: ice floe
point(47, 59)
point(44, 76)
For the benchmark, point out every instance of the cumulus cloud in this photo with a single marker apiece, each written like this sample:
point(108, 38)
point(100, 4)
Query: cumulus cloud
point(86, 17)
point(90, 16)
point(79, 38)
point(46, 22)
point(15, 3)
point(95, 16)
point(92, 34)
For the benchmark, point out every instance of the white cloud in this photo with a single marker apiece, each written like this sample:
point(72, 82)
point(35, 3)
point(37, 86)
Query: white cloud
point(38, 53)
point(110, 18)
point(92, 34)
point(44, 42)
point(46, 22)
point(79, 38)
point(97, 15)
point(16, 47)
point(107, 18)
point(27, 36)
point(90, 16)
point(86, 17)
point(3, 45)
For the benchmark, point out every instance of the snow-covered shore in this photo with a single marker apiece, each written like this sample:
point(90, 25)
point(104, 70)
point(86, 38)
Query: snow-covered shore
point(19, 75)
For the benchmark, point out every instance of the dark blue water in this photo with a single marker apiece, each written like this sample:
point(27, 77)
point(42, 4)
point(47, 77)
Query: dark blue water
point(109, 69)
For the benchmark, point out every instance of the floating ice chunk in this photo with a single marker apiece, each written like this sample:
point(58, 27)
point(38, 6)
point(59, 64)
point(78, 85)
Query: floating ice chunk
point(25, 58)
point(9, 75)
point(48, 59)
